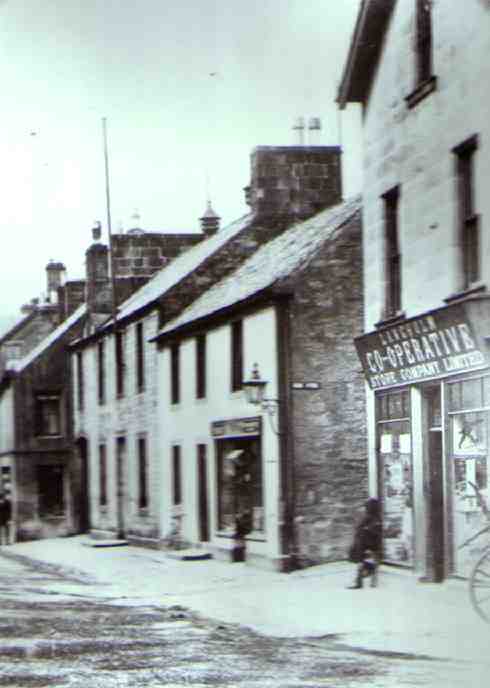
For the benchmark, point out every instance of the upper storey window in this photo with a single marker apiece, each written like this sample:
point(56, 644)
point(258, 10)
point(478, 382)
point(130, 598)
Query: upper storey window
point(392, 254)
point(467, 217)
point(425, 81)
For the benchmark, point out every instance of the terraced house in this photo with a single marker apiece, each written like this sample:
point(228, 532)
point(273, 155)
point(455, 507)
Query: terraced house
point(420, 71)
point(140, 480)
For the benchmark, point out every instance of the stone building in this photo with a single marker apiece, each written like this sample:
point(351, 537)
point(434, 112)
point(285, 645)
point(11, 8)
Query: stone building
point(420, 71)
point(117, 420)
point(296, 464)
point(42, 470)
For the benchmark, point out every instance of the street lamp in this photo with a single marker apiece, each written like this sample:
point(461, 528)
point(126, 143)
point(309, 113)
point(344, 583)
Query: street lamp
point(254, 389)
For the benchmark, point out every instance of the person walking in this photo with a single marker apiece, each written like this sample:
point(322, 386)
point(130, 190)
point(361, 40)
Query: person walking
point(5, 517)
point(366, 547)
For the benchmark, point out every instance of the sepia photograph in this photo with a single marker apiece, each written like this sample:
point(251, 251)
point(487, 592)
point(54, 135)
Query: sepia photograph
point(245, 344)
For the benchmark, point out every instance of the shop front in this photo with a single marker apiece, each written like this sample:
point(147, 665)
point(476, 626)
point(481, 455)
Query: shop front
point(239, 481)
point(429, 389)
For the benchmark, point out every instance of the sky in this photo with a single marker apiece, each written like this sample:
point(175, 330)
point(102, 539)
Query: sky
point(188, 89)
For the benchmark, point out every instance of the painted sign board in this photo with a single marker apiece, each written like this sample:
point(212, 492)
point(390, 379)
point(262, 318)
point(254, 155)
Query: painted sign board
point(236, 427)
point(432, 345)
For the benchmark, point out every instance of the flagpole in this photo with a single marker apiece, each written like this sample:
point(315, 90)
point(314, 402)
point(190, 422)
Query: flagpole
point(109, 221)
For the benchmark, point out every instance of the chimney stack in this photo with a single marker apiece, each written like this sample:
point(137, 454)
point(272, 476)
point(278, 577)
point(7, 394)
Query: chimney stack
point(98, 285)
point(55, 273)
point(209, 221)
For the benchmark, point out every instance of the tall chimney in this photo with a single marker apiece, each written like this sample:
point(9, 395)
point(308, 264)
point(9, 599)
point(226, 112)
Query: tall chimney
point(299, 131)
point(314, 131)
point(55, 274)
point(98, 284)
point(298, 181)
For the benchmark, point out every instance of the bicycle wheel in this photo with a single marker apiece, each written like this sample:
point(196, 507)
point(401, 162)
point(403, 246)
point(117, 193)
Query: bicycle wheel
point(480, 586)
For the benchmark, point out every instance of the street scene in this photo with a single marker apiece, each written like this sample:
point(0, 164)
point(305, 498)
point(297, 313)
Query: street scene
point(118, 624)
point(245, 343)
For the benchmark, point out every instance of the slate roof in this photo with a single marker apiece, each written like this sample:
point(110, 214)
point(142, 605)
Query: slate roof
point(270, 265)
point(20, 364)
point(180, 267)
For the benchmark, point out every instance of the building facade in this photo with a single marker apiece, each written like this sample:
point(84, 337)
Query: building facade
point(295, 466)
point(426, 272)
point(121, 429)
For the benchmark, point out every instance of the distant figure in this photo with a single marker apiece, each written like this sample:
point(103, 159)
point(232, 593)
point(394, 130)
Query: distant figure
point(5, 517)
point(366, 548)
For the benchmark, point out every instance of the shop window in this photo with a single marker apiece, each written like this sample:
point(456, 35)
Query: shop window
point(175, 374)
point(177, 474)
point(80, 381)
point(48, 415)
point(50, 491)
point(395, 475)
point(140, 357)
point(239, 475)
point(120, 365)
point(236, 355)
point(142, 474)
point(101, 371)
point(102, 475)
point(201, 366)
point(392, 254)
point(467, 217)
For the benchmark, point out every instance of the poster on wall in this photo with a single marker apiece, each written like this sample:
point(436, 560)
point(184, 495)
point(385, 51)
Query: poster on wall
point(396, 482)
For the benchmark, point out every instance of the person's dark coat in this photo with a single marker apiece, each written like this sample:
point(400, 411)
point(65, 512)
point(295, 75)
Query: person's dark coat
point(368, 534)
point(5, 512)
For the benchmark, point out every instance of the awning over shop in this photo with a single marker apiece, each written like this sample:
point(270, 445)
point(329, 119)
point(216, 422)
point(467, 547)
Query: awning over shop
point(441, 342)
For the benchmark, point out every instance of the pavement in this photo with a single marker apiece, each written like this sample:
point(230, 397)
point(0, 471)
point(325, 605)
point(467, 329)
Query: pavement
point(401, 615)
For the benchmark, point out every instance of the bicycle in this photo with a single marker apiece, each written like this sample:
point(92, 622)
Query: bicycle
point(479, 580)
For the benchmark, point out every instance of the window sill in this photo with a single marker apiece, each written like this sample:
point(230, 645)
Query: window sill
point(476, 288)
point(103, 508)
point(143, 511)
point(49, 437)
point(423, 89)
point(398, 317)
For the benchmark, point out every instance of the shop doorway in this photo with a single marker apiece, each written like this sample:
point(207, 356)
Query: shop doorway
point(84, 509)
point(435, 463)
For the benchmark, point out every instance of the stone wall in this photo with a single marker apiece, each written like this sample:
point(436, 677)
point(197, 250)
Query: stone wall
point(330, 445)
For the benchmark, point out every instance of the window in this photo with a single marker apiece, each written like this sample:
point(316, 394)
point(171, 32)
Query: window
point(467, 218)
point(80, 381)
point(102, 475)
point(101, 372)
point(50, 490)
point(424, 40)
point(140, 358)
point(177, 476)
point(236, 355)
point(392, 254)
point(201, 366)
point(143, 474)
point(120, 367)
point(175, 374)
point(48, 415)
point(425, 81)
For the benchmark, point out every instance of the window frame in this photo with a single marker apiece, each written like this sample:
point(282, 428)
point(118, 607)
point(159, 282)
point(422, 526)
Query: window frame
point(143, 496)
point(102, 474)
point(467, 218)
point(101, 372)
point(80, 380)
point(120, 366)
point(175, 373)
point(392, 254)
point(42, 421)
point(200, 343)
point(236, 357)
point(140, 356)
point(425, 81)
point(176, 474)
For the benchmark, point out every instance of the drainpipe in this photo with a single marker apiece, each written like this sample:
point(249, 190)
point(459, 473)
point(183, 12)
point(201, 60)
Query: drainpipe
point(286, 438)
